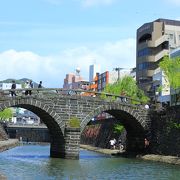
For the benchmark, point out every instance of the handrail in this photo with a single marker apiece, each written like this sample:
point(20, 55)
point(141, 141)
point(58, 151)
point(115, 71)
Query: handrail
point(71, 92)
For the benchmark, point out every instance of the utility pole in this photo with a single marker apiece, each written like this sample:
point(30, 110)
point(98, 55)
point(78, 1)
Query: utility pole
point(118, 69)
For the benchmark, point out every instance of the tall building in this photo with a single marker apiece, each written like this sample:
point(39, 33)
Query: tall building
point(75, 81)
point(93, 69)
point(154, 40)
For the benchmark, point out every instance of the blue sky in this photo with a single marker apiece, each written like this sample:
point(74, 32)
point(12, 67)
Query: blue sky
point(45, 39)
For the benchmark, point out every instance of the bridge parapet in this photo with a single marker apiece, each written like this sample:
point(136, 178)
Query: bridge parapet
point(50, 93)
point(57, 106)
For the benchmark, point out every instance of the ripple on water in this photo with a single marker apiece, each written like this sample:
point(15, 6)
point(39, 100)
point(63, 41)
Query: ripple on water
point(33, 162)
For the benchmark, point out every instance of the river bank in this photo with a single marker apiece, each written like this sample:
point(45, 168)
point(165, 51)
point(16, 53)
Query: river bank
point(7, 144)
point(150, 157)
point(10, 143)
point(160, 158)
point(100, 150)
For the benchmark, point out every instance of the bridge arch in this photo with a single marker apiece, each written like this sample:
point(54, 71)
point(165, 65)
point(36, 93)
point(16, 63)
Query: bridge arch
point(136, 126)
point(49, 117)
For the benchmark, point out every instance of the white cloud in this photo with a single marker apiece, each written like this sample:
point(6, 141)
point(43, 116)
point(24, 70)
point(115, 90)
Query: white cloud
point(176, 2)
point(89, 3)
point(52, 69)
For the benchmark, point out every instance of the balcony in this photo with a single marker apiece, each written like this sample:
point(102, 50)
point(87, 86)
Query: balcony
point(155, 43)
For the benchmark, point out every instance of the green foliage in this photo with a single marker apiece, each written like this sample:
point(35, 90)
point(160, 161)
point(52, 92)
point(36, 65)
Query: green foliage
point(171, 68)
point(176, 125)
point(6, 114)
point(126, 87)
point(118, 128)
point(159, 89)
point(173, 125)
point(74, 122)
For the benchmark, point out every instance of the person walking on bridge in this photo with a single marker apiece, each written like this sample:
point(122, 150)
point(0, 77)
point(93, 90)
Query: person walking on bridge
point(40, 84)
point(13, 87)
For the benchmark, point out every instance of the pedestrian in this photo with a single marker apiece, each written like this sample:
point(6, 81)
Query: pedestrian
point(13, 87)
point(40, 84)
point(27, 86)
point(146, 143)
point(31, 85)
point(112, 143)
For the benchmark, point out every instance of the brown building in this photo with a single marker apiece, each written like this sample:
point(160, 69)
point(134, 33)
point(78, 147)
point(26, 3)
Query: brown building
point(154, 40)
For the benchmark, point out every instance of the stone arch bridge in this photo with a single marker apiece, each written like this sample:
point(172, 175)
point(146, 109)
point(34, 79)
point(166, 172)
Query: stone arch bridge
point(56, 107)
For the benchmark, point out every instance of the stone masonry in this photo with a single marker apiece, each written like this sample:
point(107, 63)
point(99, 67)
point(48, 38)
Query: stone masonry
point(55, 110)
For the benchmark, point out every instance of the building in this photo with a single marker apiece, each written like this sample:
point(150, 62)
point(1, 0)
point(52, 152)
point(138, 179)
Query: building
point(161, 87)
point(175, 53)
point(110, 77)
point(75, 81)
point(93, 69)
point(23, 116)
point(167, 94)
point(5, 86)
point(154, 40)
point(133, 73)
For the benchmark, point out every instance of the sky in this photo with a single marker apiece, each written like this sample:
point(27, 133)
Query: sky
point(46, 39)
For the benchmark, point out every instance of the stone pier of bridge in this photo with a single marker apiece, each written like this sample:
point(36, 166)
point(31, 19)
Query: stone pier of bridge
point(56, 109)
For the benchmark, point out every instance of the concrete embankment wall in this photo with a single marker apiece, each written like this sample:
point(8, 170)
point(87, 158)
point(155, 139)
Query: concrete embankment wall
point(99, 133)
point(31, 134)
point(166, 131)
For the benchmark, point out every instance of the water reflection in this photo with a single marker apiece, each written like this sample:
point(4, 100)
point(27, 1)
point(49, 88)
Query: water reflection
point(33, 162)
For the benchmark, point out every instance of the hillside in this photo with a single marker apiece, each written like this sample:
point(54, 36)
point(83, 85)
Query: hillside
point(19, 81)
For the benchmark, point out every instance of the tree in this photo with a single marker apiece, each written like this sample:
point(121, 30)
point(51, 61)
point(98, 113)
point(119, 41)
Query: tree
point(126, 87)
point(6, 114)
point(171, 68)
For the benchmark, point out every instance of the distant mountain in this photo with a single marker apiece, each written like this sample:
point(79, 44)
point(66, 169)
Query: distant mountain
point(19, 81)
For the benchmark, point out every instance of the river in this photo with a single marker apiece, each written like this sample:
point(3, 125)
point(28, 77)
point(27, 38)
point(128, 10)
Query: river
point(32, 162)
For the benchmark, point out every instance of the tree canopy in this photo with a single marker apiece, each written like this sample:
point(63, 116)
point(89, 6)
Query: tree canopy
point(126, 87)
point(6, 114)
point(171, 68)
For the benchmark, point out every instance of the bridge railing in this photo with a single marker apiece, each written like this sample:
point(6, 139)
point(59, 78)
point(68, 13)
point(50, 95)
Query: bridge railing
point(69, 92)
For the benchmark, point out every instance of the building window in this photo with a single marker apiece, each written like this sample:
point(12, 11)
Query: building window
point(104, 79)
point(171, 36)
point(144, 52)
point(143, 66)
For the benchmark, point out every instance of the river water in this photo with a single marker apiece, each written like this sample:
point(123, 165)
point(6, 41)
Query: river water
point(32, 162)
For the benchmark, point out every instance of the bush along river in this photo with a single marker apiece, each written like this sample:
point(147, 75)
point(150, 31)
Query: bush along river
point(32, 162)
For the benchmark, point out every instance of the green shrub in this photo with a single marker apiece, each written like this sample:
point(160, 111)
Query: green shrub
point(176, 125)
point(118, 128)
point(74, 122)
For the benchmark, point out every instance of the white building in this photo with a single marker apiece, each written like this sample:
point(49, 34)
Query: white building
point(175, 53)
point(160, 81)
point(4, 86)
point(23, 116)
point(93, 69)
